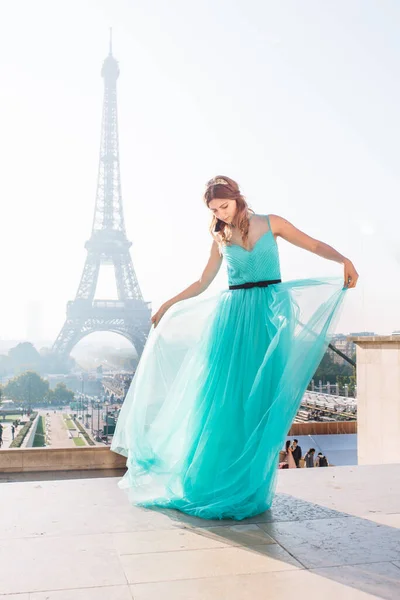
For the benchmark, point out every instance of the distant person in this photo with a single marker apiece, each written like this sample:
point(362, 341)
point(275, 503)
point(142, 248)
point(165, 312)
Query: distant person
point(296, 451)
point(12, 431)
point(309, 458)
point(288, 460)
point(321, 461)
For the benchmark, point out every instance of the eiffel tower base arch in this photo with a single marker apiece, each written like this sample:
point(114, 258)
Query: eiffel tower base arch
point(132, 322)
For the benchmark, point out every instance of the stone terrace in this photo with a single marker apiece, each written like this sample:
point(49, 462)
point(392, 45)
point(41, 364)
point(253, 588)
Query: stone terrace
point(331, 533)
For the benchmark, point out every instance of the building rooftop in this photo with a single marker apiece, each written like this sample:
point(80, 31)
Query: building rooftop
point(331, 533)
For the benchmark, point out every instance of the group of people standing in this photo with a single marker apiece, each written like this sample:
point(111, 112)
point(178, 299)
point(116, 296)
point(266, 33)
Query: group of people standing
point(13, 427)
point(292, 455)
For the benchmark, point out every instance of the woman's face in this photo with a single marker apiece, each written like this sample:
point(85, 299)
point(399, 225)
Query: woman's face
point(224, 210)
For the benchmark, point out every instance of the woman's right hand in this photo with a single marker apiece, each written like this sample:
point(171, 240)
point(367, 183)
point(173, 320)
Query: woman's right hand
point(156, 318)
point(350, 274)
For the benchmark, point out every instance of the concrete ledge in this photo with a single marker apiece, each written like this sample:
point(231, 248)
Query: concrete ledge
point(23, 460)
point(374, 339)
point(323, 428)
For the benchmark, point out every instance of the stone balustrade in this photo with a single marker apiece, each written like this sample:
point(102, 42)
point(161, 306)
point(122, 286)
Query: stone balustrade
point(22, 460)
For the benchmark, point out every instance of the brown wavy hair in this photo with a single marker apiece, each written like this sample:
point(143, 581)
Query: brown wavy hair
point(222, 187)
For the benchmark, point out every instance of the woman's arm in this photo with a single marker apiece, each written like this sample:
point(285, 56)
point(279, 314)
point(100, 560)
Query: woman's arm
point(196, 288)
point(281, 227)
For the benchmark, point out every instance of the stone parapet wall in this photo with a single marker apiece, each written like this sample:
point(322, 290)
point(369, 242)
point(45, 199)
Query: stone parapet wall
point(23, 460)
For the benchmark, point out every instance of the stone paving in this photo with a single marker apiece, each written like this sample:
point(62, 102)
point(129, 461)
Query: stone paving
point(58, 431)
point(331, 533)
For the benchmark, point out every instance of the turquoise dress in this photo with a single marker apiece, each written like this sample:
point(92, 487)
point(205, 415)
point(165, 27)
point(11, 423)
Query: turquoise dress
point(218, 385)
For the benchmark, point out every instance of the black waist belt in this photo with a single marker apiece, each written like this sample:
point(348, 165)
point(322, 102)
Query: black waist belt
point(252, 284)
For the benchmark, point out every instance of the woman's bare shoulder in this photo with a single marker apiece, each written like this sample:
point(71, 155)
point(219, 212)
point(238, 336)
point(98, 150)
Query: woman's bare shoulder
point(270, 216)
point(258, 218)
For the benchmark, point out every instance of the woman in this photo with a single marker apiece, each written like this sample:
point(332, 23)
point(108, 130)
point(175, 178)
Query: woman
point(288, 460)
point(309, 458)
point(221, 378)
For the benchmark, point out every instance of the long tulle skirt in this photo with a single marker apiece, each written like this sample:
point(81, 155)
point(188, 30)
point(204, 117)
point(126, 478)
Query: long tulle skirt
point(216, 390)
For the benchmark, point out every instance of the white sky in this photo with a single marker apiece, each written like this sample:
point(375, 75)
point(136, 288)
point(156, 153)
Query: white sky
point(297, 101)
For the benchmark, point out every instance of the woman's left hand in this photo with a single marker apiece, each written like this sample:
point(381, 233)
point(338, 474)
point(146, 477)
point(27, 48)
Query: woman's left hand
point(350, 274)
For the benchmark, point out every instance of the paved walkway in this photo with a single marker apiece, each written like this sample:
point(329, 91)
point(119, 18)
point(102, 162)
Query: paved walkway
point(58, 433)
point(331, 533)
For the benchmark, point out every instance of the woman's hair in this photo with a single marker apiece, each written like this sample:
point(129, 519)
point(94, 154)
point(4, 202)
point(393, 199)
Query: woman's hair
point(222, 187)
point(287, 445)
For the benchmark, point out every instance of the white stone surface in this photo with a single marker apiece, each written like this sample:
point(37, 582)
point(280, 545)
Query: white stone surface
point(378, 398)
point(331, 533)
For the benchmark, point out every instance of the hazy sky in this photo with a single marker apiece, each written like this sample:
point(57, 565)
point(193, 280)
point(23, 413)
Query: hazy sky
point(297, 101)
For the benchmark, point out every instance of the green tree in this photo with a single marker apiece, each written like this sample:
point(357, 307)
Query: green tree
point(27, 388)
point(60, 395)
point(349, 380)
point(330, 371)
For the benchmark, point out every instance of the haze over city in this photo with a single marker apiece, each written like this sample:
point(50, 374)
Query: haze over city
point(301, 113)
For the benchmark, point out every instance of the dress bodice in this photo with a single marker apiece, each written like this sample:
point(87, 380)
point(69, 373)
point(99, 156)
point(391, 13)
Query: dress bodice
point(261, 263)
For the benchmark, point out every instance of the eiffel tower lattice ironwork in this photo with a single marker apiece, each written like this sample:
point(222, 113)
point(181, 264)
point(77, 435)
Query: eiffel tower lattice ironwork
point(130, 314)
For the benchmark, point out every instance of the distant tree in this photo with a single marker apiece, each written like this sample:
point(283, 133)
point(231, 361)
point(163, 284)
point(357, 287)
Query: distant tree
point(330, 371)
point(24, 357)
point(53, 363)
point(5, 365)
point(349, 380)
point(60, 395)
point(27, 388)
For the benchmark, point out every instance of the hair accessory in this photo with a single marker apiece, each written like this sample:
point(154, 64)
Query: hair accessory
point(219, 181)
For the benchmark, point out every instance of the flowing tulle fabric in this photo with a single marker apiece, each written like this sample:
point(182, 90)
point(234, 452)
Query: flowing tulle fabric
point(215, 393)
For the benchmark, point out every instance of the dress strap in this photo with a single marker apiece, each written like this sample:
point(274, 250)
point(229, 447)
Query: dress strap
point(269, 224)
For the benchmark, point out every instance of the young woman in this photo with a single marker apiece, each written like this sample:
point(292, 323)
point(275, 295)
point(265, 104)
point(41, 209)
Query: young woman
point(288, 460)
point(221, 378)
point(309, 458)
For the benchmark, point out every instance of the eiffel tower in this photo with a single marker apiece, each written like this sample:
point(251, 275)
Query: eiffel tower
point(130, 314)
